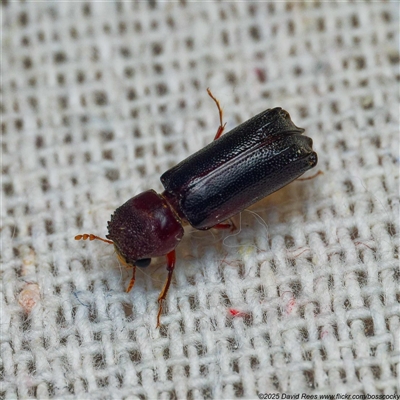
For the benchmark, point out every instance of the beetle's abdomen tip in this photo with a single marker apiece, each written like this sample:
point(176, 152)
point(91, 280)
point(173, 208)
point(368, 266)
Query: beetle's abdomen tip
point(313, 159)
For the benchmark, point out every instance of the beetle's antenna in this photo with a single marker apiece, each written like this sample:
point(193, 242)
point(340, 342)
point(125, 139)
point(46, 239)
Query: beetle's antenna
point(90, 236)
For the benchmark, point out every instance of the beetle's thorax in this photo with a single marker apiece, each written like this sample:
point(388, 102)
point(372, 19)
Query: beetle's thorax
point(144, 227)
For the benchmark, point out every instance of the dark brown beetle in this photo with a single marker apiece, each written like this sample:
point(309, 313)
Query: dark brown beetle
point(243, 166)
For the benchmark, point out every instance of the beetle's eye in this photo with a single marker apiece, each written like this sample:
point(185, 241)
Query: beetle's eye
point(145, 262)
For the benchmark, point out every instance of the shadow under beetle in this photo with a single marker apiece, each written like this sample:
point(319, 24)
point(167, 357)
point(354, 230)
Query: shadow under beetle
point(233, 172)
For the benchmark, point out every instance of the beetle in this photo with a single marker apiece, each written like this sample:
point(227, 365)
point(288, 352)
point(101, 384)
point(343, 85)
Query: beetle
point(230, 174)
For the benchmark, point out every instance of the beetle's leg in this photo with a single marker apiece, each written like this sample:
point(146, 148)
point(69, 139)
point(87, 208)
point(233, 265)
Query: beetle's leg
point(311, 177)
point(221, 124)
point(171, 258)
point(132, 282)
point(226, 225)
point(90, 236)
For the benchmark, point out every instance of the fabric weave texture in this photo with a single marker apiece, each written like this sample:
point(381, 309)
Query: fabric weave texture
point(98, 100)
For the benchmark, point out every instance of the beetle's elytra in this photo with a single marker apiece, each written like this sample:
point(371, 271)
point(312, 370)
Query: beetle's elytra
point(233, 172)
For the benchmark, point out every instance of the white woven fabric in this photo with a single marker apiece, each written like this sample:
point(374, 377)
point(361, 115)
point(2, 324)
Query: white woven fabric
point(98, 100)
